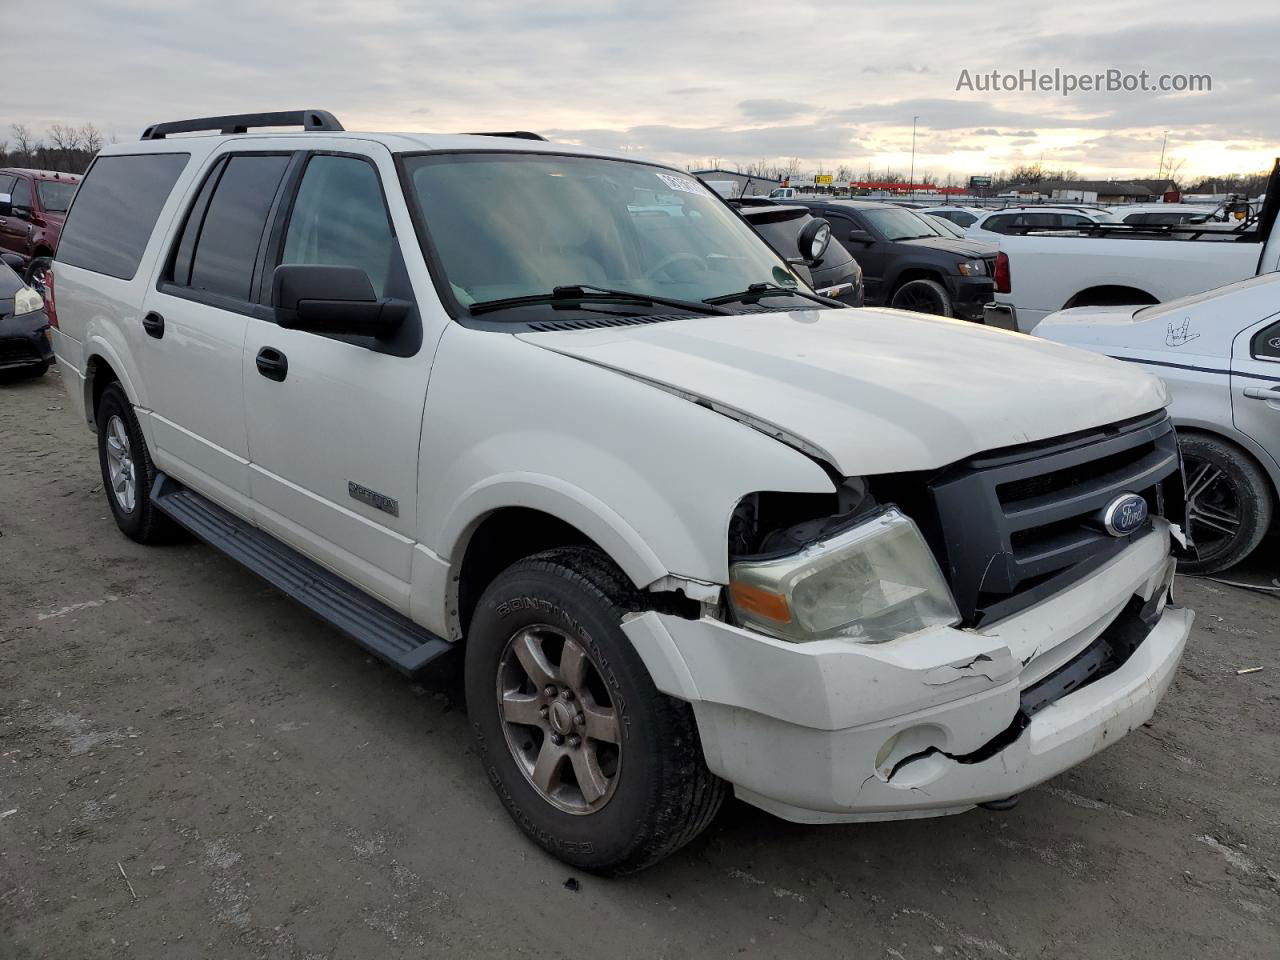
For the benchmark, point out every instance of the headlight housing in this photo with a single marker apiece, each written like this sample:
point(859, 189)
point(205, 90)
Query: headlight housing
point(972, 268)
point(26, 301)
point(870, 583)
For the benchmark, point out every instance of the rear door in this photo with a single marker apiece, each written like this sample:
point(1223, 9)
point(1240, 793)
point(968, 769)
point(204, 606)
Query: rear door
point(1255, 383)
point(333, 436)
point(195, 318)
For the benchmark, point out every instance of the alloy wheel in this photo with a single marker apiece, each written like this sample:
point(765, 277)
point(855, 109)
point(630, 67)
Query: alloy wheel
point(120, 465)
point(561, 724)
point(1213, 508)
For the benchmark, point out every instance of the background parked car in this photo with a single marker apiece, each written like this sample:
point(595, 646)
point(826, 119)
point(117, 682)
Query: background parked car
point(908, 262)
point(991, 226)
point(33, 206)
point(25, 347)
point(943, 225)
point(834, 272)
point(1156, 214)
point(1219, 354)
point(960, 216)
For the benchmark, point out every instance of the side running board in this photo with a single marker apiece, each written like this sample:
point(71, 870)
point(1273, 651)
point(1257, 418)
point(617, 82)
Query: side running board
point(371, 623)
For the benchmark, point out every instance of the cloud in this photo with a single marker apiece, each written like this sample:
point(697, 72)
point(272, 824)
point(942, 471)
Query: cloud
point(773, 109)
point(680, 81)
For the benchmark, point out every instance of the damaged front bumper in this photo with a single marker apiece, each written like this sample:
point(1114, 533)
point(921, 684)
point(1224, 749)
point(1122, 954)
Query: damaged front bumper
point(934, 723)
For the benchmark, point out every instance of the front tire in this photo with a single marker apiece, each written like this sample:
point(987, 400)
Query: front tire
point(1229, 503)
point(127, 471)
point(593, 763)
point(923, 296)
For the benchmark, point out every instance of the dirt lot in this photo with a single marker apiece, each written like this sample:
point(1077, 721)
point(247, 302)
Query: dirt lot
point(192, 767)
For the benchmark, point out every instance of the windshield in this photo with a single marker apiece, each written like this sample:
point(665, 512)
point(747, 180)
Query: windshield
point(900, 224)
point(516, 225)
point(55, 197)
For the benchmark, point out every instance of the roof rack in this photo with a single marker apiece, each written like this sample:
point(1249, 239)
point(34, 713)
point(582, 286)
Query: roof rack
point(241, 122)
point(510, 134)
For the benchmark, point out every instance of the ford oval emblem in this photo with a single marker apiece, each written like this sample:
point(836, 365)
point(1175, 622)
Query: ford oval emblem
point(1125, 514)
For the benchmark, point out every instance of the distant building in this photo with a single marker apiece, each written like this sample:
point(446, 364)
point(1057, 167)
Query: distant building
point(1096, 191)
point(747, 185)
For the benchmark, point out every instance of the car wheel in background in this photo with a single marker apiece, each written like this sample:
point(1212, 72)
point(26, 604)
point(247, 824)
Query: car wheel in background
point(1229, 503)
point(127, 471)
point(923, 296)
point(592, 762)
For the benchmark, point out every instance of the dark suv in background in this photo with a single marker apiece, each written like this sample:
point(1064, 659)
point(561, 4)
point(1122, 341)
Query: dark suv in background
point(33, 205)
point(909, 263)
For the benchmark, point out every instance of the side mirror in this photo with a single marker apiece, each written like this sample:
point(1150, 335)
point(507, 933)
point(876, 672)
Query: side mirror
point(13, 262)
point(330, 299)
point(813, 239)
point(861, 236)
point(6, 205)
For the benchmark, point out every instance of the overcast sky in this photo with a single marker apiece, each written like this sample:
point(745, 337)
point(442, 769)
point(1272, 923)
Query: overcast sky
point(686, 82)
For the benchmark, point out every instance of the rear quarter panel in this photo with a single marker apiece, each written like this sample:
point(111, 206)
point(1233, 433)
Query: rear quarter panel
point(1047, 272)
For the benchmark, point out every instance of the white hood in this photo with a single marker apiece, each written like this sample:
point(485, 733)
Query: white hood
point(873, 391)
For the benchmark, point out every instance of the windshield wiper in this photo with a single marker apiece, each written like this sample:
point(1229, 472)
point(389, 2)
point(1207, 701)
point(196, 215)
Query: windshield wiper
point(586, 293)
point(757, 290)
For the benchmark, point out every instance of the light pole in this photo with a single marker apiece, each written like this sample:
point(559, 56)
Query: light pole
point(911, 179)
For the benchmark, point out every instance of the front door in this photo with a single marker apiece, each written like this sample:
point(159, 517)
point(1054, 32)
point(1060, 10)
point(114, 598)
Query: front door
point(334, 422)
point(1255, 382)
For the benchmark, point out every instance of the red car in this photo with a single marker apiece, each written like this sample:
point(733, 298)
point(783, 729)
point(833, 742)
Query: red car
point(33, 206)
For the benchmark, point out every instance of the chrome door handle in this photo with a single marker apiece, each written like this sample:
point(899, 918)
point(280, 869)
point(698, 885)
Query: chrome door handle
point(3, 221)
point(1258, 393)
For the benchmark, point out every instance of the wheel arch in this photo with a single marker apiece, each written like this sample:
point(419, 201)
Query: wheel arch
point(914, 271)
point(510, 519)
point(1110, 295)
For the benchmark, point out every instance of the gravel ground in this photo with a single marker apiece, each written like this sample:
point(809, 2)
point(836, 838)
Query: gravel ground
point(192, 767)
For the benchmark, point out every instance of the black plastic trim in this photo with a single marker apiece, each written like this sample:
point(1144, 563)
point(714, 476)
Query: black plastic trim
point(313, 120)
point(1001, 554)
point(370, 622)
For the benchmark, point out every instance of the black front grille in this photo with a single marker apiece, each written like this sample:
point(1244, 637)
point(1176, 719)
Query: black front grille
point(1012, 526)
point(15, 350)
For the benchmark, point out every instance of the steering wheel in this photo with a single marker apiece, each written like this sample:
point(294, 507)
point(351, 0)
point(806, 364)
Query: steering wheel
point(675, 258)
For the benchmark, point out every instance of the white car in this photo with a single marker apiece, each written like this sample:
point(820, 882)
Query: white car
point(694, 529)
point(962, 217)
point(1166, 214)
point(1219, 353)
point(1124, 264)
point(993, 224)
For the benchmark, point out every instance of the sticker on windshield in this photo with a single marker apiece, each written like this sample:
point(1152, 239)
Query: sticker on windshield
point(683, 184)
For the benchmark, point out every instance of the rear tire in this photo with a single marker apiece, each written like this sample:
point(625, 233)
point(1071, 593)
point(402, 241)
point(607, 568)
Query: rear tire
point(923, 296)
point(127, 471)
point(1229, 503)
point(640, 799)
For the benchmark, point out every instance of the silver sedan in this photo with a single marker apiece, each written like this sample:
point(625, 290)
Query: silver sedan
point(1219, 354)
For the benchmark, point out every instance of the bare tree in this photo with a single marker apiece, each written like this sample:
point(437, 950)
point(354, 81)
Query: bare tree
point(23, 142)
point(91, 137)
point(66, 140)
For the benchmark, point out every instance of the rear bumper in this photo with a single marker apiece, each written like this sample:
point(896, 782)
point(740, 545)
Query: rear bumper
point(25, 341)
point(931, 724)
point(1001, 315)
point(969, 295)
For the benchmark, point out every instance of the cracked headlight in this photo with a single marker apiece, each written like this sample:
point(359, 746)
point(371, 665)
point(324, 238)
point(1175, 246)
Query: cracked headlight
point(872, 582)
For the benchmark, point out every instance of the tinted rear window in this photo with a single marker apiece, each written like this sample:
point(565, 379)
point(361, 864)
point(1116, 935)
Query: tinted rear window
point(227, 248)
point(115, 211)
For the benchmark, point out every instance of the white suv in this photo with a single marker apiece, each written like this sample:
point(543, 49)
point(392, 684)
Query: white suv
point(694, 528)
